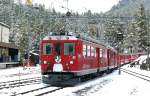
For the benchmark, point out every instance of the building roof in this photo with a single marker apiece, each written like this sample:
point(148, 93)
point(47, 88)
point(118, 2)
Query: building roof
point(8, 45)
point(3, 24)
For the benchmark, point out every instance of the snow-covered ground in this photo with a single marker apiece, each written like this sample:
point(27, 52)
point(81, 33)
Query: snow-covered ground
point(19, 73)
point(110, 85)
point(107, 85)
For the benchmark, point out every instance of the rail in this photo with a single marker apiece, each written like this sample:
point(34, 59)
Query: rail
point(141, 76)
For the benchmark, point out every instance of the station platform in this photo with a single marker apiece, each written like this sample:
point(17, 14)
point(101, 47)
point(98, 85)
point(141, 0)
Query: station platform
point(4, 65)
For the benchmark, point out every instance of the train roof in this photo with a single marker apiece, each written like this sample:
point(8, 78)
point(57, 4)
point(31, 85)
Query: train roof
point(60, 38)
point(83, 37)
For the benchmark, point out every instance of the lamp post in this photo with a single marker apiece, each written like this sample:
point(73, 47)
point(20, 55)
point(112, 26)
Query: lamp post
point(29, 15)
point(28, 49)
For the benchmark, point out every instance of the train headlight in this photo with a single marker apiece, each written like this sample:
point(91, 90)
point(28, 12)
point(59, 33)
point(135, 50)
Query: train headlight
point(74, 57)
point(71, 62)
point(45, 62)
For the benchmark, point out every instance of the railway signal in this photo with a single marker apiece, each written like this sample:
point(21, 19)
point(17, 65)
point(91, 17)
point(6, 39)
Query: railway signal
point(119, 39)
point(119, 36)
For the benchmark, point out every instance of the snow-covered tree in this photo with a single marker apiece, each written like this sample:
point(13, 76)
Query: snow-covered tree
point(131, 39)
point(113, 26)
point(141, 28)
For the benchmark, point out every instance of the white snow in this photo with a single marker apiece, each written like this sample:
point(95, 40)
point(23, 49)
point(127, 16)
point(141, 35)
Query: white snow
point(19, 73)
point(108, 85)
point(142, 59)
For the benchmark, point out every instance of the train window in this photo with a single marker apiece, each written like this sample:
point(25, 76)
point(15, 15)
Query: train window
point(101, 53)
point(92, 51)
point(47, 49)
point(69, 49)
point(84, 50)
point(88, 51)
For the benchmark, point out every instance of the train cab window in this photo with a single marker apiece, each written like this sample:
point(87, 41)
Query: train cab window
point(47, 49)
point(57, 48)
point(69, 49)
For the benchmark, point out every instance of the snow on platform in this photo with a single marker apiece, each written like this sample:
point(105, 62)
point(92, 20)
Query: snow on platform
point(19, 73)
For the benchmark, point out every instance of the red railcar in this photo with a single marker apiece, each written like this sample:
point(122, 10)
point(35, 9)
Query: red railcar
point(127, 58)
point(64, 57)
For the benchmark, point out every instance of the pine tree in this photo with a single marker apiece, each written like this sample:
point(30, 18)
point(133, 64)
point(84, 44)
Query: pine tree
point(141, 28)
point(112, 28)
point(131, 39)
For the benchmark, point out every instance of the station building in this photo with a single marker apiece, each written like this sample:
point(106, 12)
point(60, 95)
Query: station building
point(8, 51)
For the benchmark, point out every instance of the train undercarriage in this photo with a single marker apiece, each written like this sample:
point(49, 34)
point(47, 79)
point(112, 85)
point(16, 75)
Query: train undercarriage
point(60, 79)
point(68, 78)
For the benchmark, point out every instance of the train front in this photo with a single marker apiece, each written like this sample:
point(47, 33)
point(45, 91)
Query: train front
point(59, 58)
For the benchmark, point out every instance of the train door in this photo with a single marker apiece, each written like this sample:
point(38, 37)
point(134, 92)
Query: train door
point(84, 59)
point(98, 58)
point(102, 56)
point(108, 57)
point(88, 55)
point(105, 58)
point(115, 58)
point(57, 50)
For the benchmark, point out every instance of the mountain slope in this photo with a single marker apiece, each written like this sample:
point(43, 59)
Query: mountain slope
point(128, 7)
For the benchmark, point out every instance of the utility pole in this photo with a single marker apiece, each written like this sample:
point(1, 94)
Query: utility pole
point(29, 5)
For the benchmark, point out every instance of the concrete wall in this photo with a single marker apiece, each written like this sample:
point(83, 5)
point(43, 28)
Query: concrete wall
point(4, 33)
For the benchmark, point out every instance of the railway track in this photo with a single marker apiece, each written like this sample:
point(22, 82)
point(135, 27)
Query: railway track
point(39, 91)
point(21, 82)
point(51, 91)
point(141, 76)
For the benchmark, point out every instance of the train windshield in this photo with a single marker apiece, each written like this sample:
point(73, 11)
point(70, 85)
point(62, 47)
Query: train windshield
point(57, 48)
point(69, 49)
point(47, 49)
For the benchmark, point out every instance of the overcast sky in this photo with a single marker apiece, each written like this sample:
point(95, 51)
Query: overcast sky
point(79, 5)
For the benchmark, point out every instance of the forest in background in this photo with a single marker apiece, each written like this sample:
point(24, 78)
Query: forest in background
point(32, 23)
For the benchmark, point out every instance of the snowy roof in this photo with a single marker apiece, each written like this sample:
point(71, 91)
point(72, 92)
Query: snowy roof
point(8, 45)
point(3, 24)
point(63, 37)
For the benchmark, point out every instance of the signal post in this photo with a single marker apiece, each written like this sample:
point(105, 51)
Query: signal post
point(120, 41)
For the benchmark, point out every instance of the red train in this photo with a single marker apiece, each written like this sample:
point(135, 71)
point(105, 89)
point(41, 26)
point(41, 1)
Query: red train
point(64, 57)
